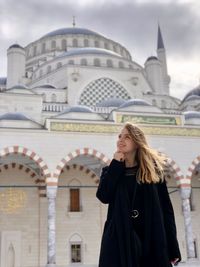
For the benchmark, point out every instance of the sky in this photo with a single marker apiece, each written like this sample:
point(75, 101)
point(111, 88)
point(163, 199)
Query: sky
point(132, 23)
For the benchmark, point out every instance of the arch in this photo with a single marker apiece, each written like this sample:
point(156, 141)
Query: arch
point(78, 152)
point(191, 168)
point(59, 65)
point(11, 256)
point(102, 89)
point(75, 238)
point(23, 151)
point(81, 168)
point(53, 98)
point(96, 43)
point(121, 64)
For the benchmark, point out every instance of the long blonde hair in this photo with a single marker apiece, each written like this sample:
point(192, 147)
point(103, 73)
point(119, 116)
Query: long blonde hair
point(151, 162)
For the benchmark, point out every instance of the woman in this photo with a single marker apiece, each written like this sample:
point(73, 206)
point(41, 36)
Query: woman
point(148, 218)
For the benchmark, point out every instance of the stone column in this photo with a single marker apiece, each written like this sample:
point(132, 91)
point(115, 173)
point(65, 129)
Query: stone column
point(51, 246)
point(185, 195)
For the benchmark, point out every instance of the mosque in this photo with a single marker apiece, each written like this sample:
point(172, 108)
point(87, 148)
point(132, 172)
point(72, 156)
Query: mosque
point(62, 104)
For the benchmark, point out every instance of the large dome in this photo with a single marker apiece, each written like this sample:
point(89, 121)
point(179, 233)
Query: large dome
point(193, 92)
point(72, 30)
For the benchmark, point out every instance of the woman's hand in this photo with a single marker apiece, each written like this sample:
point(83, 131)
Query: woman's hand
point(119, 156)
point(175, 261)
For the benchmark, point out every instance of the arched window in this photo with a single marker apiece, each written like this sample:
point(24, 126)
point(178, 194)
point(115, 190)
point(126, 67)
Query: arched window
point(53, 98)
point(114, 48)
point(43, 47)
point(130, 66)
point(76, 249)
point(97, 62)
point(48, 69)
point(84, 62)
point(53, 44)
point(121, 64)
point(96, 43)
point(75, 43)
point(86, 42)
point(64, 45)
point(109, 63)
point(59, 65)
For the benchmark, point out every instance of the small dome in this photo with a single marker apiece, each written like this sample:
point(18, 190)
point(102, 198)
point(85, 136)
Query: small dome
point(192, 115)
point(77, 108)
point(193, 92)
point(46, 86)
point(192, 97)
point(16, 46)
point(111, 102)
point(19, 86)
point(72, 30)
point(14, 116)
point(88, 50)
point(135, 102)
point(152, 58)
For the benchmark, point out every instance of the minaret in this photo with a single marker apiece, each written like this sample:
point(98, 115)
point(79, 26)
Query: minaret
point(161, 54)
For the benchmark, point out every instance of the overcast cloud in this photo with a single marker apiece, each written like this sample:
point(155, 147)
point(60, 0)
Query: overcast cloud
point(131, 23)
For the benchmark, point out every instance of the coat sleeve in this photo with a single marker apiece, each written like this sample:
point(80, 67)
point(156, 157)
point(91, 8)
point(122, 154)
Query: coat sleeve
point(108, 181)
point(169, 221)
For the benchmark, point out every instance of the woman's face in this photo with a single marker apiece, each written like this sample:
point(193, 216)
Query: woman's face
point(125, 143)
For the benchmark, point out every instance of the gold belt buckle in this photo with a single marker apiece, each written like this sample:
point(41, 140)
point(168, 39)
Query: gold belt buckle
point(135, 213)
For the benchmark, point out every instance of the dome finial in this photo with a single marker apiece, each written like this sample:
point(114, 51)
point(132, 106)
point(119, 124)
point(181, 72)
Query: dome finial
point(74, 21)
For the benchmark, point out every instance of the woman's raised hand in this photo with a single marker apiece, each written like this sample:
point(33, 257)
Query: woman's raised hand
point(119, 156)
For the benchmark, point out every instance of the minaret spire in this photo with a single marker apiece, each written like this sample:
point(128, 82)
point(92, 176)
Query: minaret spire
point(74, 21)
point(160, 44)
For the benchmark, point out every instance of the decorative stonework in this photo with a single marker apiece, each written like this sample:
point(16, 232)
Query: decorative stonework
point(192, 167)
point(105, 128)
point(77, 152)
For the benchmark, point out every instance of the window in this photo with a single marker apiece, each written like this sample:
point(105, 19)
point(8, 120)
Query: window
point(48, 69)
point(71, 62)
point(53, 44)
point(44, 97)
point(34, 50)
point(154, 103)
point(105, 45)
point(121, 64)
point(40, 73)
point(75, 43)
point(97, 62)
point(163, 104)
point(86, 42)
point(43, 48)
point(59, 65)
point(74, 199)
point(96, 43)
point(64, 45)
point(53, 98)
point(75, 252)
point(84, 62)
point(109, 63)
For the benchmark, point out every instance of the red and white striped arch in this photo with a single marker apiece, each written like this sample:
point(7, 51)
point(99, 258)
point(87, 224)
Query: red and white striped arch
point(192, 167)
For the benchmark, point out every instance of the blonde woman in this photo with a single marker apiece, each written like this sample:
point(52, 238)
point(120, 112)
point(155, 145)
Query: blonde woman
point(140, 229)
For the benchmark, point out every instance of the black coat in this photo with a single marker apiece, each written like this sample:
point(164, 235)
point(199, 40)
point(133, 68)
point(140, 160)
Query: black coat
point(160, 243)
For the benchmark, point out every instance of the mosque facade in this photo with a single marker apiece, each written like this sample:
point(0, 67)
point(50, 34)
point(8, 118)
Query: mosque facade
point(62, 104)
